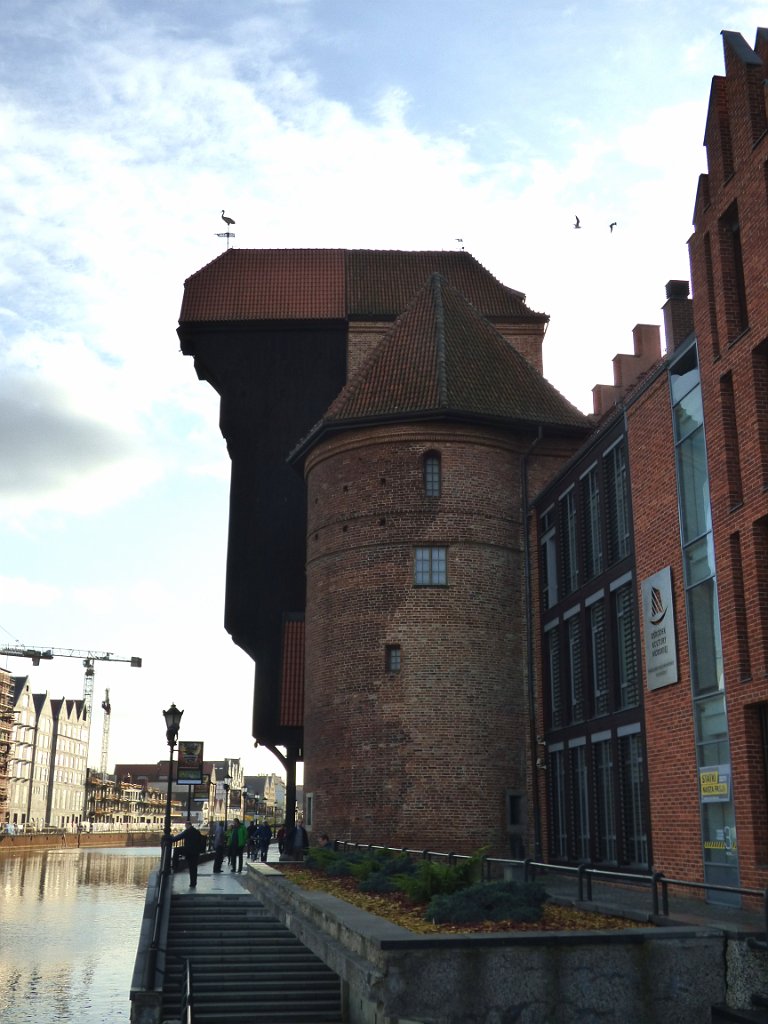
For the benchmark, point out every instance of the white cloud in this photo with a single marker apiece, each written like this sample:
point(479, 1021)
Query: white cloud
point(28, 594)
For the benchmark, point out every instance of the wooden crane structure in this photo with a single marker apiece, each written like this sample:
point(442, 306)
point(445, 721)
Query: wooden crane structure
point(89, 658)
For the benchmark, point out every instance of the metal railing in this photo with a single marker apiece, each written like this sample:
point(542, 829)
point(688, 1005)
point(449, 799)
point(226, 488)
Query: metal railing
point(187, 997)
point(656, 883)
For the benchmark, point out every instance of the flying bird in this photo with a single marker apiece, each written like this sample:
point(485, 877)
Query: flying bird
point(612, 225)
point(227, 220)
point(576, 225)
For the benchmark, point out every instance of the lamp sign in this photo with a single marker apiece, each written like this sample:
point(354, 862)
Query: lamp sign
point(189, 771)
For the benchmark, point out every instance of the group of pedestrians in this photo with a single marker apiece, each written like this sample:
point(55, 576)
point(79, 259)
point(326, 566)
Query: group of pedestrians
point(236, 842)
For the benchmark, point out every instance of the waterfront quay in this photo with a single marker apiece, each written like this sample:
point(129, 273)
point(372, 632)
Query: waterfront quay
point(66, 840)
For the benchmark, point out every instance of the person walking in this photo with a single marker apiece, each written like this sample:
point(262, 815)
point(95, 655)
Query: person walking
point(219, 847)
point(297, 841)
point(194, 844)
point(237, 845)
point(264, 838)
point(253, 840)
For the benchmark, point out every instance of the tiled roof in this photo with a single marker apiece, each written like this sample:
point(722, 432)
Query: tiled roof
point(333, 284)
point(442, 358)
point(292, 680)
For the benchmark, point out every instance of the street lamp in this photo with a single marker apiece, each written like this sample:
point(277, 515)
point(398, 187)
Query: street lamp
point(227, 780)
point(172, 723)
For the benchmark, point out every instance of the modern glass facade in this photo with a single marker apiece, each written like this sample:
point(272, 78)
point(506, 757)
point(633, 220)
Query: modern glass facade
point(713, 754)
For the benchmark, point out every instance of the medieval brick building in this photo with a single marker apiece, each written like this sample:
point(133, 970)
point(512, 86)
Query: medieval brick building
point(383, 604)
point(477, 615)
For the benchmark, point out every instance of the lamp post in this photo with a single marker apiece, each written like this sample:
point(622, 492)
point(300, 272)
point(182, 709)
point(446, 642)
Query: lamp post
point(227, 779)
point(172, 723)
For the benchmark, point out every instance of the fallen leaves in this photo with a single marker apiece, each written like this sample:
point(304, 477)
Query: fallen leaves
point(396, 908)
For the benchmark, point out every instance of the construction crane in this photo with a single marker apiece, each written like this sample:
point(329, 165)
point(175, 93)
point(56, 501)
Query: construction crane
point(38, 654)
point(106, 707)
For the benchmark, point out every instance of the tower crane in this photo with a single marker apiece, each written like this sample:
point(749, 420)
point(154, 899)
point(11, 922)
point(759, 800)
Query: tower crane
point(106, 707)
point(38, 654)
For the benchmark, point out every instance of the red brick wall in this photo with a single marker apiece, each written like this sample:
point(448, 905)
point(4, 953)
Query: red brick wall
point(733, 371)
point(670, 749)
point(424, 757)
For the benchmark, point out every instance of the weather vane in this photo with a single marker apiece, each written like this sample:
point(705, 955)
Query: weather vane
point(226, 234)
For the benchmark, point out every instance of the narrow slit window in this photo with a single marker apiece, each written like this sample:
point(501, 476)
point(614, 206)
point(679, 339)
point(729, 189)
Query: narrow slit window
point(432, 475)
point(393, 658)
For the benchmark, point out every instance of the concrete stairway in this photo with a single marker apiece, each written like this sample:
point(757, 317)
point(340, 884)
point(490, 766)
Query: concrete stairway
point(246, 966)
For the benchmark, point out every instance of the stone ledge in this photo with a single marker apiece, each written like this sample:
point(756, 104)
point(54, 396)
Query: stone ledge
point(390, 975)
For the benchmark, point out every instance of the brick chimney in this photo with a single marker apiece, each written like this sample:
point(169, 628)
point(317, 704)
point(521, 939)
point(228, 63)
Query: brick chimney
point(628, 368)
point(678, 314)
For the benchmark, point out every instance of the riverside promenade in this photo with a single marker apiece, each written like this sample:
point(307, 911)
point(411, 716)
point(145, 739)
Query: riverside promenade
point(696, 964)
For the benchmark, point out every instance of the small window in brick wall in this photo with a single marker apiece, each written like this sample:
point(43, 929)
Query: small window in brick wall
point(392, 658)
point(432, 479)
point(430, 567)
point(309, 809)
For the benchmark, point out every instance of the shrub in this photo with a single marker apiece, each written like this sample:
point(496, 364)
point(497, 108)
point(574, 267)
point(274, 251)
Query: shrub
point(379, 881)
point(488, 901)
point(429, 879)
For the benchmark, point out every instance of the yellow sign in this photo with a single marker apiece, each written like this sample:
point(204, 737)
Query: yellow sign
point(714, 783)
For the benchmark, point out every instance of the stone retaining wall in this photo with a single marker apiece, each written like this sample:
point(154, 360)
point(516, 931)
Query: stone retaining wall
point(670, 975)
point(76, 840)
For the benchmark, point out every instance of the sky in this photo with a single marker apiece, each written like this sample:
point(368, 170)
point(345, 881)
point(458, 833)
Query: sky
point(127, 125)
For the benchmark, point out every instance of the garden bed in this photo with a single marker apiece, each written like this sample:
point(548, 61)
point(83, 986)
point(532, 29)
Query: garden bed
point(398, 909)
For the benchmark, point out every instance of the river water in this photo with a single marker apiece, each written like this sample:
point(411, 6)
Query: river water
point(69, 930)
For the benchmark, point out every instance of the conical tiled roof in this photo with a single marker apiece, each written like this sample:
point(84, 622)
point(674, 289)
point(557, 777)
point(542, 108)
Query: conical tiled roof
point(442, 359)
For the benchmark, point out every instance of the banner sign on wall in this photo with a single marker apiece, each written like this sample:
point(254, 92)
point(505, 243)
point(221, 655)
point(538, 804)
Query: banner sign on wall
point(189, 771)
point(659, 630)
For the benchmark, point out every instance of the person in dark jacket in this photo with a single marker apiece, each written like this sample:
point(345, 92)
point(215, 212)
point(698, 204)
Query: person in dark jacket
point(297, 841)
point(219, 847)
point(264, 834)
point(237, 843)
point(194, 844)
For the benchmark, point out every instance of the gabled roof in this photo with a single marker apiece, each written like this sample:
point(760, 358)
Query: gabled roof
point(337, 284)
point(442, 359)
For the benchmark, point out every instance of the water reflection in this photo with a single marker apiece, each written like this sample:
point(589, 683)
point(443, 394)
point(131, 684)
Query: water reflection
point(69, 928)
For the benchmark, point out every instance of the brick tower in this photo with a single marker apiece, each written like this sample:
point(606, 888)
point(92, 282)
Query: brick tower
point(416, 718)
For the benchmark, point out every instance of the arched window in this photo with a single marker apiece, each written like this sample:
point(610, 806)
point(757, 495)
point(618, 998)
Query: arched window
point(432, 475)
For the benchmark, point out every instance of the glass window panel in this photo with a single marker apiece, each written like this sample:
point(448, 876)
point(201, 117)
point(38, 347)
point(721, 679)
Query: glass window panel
point(574, 669)
point(618, 503)
point(430, 567)
point(699, 561)
point(704, 638)
point(592, 526)
point(626, 645)
point(693, 485)
point(599, 665)
point(555, 683)
point(684, 375)
point(549, 569)
point(559, 818)
point(581, 800)
point(432, 475)
point(633, 776)
point(606, 812)
point(688, 414)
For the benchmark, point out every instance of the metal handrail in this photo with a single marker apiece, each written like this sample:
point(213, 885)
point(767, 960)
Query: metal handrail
point(150, 973)
point(187, 999)
point(656, 881)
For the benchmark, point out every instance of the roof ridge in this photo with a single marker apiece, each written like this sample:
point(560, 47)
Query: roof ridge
point(437, 282)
